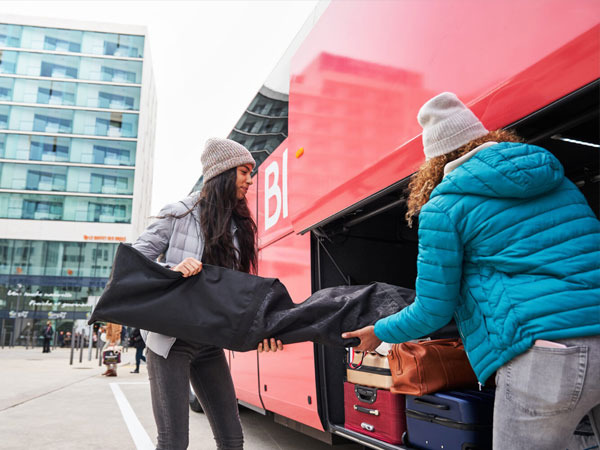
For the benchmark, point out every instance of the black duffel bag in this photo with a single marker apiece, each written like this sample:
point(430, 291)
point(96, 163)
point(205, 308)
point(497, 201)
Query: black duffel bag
point(236, 310)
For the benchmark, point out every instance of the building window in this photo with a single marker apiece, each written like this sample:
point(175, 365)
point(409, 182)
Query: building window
point(8, 62)
point(48, 151)
point(61, 45)
point(55, 96)
point(5, 93)
point(8, 41)
point(107, 100)
point(110, 155)
point(3, 121)
point(41, 210)
point(116, 75)
point(113, 126)
point(117, 49)
point(108, 184)
point(50, 124)
point(98, 212)
point(45, 181)
point(57, 71)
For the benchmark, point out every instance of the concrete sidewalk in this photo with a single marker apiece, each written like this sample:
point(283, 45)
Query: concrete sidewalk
point(45, 402)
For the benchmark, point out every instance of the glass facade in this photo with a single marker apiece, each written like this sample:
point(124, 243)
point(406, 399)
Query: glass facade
point(262, 127)
point(89, 180)
point(71, 41)
point(67, 208)
point(67, 67)
point(69, 117)
point(62, 93)
point(49, 280)
point(66, 149)
point(68, 121)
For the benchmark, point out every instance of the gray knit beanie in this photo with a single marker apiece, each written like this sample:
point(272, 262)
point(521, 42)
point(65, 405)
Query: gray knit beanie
point(447, 125)
point(223, 154)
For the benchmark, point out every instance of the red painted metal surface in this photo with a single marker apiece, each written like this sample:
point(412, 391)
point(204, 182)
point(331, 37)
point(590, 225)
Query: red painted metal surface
point(273, 217)
point(244, 366)
point(363, 72)
point(287, 378)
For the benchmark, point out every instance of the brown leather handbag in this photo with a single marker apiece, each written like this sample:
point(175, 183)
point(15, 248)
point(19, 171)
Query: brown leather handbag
point(424, 367)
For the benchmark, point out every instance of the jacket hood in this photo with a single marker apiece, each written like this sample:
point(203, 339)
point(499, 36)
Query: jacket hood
point(505, 170)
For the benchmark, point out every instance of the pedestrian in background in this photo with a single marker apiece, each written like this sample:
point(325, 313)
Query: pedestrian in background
point(510, 248)
point(138, 343)
point(214, 226)
point(113, 339)
point(47, 334)
point(124, 338)
point(101, 337)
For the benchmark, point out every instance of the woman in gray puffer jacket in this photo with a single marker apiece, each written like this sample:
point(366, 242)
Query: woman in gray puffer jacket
point(214, 226)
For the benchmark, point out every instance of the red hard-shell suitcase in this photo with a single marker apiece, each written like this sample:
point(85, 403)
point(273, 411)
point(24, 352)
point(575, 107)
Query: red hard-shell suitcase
point(374, 412)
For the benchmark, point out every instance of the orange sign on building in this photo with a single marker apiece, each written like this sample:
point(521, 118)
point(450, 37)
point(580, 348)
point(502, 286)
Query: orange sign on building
point(104, 238)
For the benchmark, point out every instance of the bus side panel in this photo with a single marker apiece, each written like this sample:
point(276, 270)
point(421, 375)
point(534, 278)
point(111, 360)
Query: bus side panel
point(287, 378)
point(244, 371)
point(244, 366)
point(361, 75)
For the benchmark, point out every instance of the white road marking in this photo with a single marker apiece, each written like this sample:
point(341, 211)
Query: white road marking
point(136, 430)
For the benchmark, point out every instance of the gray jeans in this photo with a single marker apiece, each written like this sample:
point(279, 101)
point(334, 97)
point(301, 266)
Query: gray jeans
point(542, 395)
point(206, 367)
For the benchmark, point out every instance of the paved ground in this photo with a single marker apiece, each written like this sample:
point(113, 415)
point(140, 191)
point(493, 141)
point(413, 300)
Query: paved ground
point(46, 403)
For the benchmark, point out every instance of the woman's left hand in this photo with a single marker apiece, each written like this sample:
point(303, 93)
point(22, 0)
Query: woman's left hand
point(273, 347)
point(368, 340)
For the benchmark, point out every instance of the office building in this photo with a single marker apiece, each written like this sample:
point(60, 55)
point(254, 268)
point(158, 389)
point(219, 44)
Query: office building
point(77, 120)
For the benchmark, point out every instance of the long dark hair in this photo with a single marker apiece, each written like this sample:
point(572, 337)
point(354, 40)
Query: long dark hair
point(219, 206)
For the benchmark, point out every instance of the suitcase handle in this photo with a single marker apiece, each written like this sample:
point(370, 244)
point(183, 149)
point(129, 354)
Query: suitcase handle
point(374, 412)
point(420, 401)
point(365, 394)
point(367, 426)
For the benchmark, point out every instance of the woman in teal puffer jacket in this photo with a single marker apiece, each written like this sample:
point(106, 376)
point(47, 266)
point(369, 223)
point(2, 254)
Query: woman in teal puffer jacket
point(511, 249)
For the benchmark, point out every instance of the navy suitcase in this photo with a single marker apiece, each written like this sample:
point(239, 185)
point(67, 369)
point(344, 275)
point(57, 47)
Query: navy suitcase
point(452, 420)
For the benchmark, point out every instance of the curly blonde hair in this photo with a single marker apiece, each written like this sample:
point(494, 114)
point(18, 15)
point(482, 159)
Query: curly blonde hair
point(430, 174)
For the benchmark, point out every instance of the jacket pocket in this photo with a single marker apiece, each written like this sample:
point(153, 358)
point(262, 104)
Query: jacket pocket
point(546, 381)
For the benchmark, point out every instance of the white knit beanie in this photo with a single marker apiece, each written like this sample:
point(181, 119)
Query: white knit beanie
point(223, 154)
point(447, 125)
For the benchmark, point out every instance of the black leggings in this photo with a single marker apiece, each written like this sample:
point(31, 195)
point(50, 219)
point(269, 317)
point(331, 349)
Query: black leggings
point(206, 367)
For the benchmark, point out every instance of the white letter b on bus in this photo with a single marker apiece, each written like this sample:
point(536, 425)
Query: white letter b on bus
point(272, 189)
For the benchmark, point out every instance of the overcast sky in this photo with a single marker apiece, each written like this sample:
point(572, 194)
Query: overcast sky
point(209, 60)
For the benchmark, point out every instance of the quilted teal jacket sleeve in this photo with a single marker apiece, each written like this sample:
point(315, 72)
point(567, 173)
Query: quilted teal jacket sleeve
point(438, 284)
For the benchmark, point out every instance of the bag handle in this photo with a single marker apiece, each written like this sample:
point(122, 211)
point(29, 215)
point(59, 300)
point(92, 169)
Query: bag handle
point(351, 365)
point(365, 394)
point(420, 401)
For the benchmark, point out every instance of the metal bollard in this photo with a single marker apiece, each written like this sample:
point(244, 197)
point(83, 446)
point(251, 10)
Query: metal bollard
point(72, 346)
point(81, 340)
point(3, 336)
point(90, 343)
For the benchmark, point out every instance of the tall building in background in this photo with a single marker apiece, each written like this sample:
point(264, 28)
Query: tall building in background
point(77, 120)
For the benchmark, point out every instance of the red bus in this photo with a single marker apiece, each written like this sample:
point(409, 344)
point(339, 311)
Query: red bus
point(329, 199)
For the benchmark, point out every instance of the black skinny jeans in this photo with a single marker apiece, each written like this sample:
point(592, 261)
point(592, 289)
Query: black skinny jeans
point(206, 367)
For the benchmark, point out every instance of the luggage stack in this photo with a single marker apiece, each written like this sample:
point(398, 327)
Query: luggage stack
point(455, 418)
point(370, 408)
